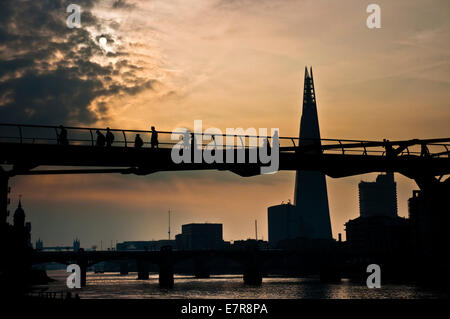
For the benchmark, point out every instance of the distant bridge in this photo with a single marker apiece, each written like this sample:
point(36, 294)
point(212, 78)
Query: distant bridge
point(57, 248)
point(251, 260)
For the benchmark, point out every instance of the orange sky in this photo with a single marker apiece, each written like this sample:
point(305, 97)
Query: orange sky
point(241, 64)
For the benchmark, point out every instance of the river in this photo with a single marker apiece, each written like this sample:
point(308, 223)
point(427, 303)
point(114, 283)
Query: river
point(116, 286)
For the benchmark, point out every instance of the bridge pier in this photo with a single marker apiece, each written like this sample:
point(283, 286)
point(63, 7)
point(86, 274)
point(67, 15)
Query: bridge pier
point(166, 268)
point(82, 263)
point(201, 267)
point(252, 270)
point(142, 268)
point(124, 268)
point(252, 275)
point(330, 273)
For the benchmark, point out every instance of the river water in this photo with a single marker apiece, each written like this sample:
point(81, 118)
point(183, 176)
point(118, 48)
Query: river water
point(114, 285)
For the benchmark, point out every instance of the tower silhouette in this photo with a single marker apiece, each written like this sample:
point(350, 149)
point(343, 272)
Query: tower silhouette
point(311, 198)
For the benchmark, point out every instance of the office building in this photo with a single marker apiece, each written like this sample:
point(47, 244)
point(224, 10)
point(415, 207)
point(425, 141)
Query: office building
point(378, 229)
point(378, 198)
point(200, 237)
point(283, 222)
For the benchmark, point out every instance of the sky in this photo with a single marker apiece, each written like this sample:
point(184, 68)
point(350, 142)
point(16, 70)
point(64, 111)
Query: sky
point(229, 63)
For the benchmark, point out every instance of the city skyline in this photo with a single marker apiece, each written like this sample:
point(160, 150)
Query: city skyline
point(68, 227)
point(179, 62)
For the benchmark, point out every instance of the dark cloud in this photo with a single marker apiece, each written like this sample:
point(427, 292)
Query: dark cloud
point(46, 71)
point(122, 4)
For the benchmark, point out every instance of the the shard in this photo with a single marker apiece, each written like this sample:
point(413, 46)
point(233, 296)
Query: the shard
point(311, 198)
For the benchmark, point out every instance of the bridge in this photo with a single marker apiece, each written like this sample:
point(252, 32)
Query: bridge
point(251, 260)
point(57, 248)
point(24, 149)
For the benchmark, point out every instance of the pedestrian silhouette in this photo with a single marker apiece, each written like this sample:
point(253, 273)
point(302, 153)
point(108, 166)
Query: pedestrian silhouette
point(388, 147)
point(100, 139)
point(62, 137)
point(154, 140)
point(109, 137)
point(424, 151)
point(138, 142)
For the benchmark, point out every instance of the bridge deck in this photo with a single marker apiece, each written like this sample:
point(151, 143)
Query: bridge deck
point(27, 147)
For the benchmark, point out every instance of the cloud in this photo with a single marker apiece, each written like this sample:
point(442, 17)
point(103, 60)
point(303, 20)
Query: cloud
point(122, 4)
point(51, 74)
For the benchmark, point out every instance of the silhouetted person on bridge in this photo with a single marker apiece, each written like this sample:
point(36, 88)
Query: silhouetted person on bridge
point(424, 151)
point(154, 140)
point(62, 137)
point(138, 142)
point(100, 139)
point(109, 137)
point(388, 147)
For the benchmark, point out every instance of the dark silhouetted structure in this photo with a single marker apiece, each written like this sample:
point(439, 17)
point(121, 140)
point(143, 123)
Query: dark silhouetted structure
point(76, 245)
point(200, 236)
point(283, 222)
point(100, 139)
point(377, 235)
point(138, 142)
point(144, 245)
point(311, 199)
point(154, 139)
point(378, 230)
point(39, 244)
point(109, 137)
point(62, 137)
point(378, 198)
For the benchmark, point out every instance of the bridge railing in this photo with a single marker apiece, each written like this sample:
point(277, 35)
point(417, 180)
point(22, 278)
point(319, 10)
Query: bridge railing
point(87, 136)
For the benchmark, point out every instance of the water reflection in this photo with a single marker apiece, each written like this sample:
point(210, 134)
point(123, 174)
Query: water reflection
point(113, 285)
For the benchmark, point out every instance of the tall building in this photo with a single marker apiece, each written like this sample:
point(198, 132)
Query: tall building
point(311, 198)
point(76, 244)
point(19, 217)
point(284, 223)
point(200, 236)
point(378, 198)
point(21, 229)
point(378, 229)
point(39, 244)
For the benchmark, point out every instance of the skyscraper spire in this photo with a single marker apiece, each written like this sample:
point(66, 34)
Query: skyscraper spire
point(311, 198)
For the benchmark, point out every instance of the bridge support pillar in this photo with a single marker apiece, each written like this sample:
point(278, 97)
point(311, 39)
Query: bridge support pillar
point(201, 267)
point(330, 273)
point(165, 276)
point(82, 262)
point(124, 268)
point(142, 268)
point(166, 268)
point(252, 275)
point(330, 263)
point(252, 270)
point(83, 269)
